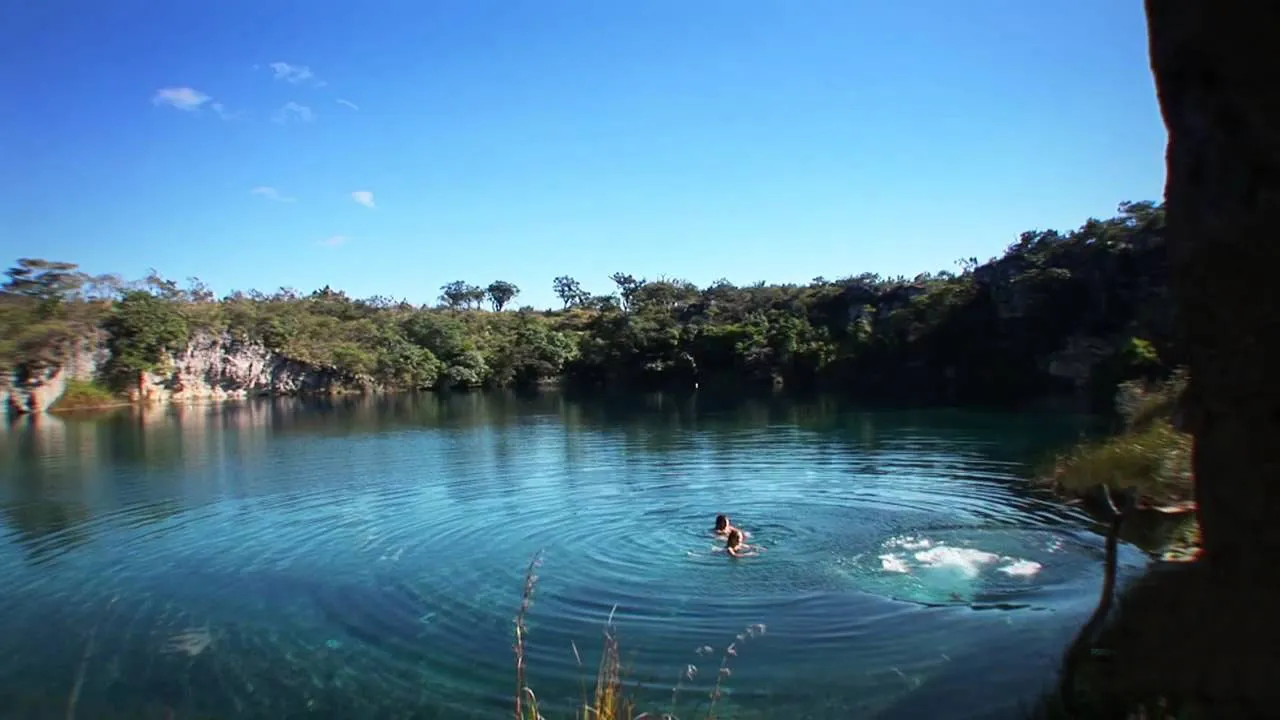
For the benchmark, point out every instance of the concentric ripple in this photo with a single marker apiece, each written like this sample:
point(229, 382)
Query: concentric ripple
point(360, 565)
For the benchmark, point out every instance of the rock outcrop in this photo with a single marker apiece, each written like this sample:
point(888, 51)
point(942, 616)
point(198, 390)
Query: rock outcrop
point(1079, 359)
point(213, 367)
point(222, 367)
point(1204, 633)
point(37, 389)
point(1216, 68)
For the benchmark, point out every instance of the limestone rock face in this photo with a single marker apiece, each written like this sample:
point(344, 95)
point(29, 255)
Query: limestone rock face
point(221, 367)
point(37, 389)
point(212, 367)
point(1217, 73)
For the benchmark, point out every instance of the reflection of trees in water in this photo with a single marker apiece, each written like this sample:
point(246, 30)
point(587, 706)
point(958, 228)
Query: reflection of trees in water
point(161, 460)
point(506, 445)
point(162, 435)
point(43, 490)
point(58, 484)
point(47, 528)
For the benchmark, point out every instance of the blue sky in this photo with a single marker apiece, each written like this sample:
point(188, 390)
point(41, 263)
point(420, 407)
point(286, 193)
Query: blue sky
point(519, 140)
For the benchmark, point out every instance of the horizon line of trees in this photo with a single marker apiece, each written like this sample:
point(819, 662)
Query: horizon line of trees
point(60, 282)
point(993, 330)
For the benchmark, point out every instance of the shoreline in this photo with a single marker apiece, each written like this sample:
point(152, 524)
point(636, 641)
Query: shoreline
point(1052, 404)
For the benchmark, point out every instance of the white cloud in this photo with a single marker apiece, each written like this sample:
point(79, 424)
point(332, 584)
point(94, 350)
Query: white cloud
point(348, 103)
point(182, 98)
point(334, 241)
point(291, 73)
point(293, 111)
point(364, 197)
point(192, 100)
point(271, 193)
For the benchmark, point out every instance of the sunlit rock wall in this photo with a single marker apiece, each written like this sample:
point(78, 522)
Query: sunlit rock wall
point(35, 389)
point(212, 367)
point(221, 367)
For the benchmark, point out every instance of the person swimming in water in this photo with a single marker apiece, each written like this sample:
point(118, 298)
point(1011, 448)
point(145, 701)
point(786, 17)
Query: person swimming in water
point(736, 547)
point(724, 527)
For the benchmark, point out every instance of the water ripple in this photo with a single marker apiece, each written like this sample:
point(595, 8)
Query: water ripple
point(342, 573)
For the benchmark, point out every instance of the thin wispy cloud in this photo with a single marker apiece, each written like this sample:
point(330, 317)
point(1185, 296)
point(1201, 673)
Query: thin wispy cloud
point(348, 103)
point(292, 111)
point(191, 100)
point(334, 241)
point(271, 194)
point(290, 73)
point(182, 98)
point(364, 197)
point(223, 112)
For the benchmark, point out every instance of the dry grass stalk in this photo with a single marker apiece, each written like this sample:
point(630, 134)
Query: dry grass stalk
point(610, 698)
point(752, 631)
point(610, 701)
point(522, 630)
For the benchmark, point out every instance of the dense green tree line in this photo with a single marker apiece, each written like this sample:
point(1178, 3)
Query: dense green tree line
point(986, 333)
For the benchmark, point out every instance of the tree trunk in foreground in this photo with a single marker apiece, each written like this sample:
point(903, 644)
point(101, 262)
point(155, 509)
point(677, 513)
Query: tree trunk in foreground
point(1217, 72)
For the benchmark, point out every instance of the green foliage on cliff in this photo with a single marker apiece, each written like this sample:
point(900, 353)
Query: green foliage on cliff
point(85, 395)
point(143, 330)
point(1076, 312)
point(44, 306)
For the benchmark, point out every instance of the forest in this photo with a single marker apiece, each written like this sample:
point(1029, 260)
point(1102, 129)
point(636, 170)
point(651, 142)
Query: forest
point(1072, 313)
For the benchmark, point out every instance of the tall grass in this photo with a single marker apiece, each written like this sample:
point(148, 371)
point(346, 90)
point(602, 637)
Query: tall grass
point(1156, 461)
point(611, 698)
point(523, 692)
point(1150, 454)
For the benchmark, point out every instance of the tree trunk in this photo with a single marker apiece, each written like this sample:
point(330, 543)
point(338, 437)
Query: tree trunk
point(1217, 73)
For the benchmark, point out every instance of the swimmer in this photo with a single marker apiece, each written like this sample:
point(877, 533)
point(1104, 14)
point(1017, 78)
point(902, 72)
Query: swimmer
point(734, 545)
point(724, 527)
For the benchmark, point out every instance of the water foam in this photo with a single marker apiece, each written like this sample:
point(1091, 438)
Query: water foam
point(909, 553)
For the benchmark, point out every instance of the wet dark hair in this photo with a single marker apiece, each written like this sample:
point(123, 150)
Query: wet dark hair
point(734, 539)
point(722, 522)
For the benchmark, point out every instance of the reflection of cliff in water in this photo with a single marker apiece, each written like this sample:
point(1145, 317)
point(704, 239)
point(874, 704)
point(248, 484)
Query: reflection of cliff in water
point(654, 421)
point(40, 493)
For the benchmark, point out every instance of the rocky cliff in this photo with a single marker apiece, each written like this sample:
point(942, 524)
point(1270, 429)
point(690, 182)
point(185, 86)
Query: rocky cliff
point(1215, 67)
point(212, 367)
point(36, 389)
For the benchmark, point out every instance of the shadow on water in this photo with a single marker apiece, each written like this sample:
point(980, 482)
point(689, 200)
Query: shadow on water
point(351, 556)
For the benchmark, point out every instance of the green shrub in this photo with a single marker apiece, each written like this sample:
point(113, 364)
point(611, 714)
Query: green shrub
point(85, 395)
point(1150, 454)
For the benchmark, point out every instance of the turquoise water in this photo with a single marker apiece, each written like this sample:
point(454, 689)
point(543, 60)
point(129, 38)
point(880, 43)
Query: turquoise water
point(365, 558)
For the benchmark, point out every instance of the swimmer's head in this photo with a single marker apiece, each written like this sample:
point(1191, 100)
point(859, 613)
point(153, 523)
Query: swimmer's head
point(734, 539)
point(722, 522)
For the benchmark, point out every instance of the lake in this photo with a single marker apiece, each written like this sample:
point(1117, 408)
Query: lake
point(365, 557)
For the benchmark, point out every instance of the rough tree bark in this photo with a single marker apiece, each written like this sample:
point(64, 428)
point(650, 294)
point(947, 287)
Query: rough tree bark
point(1217, 72)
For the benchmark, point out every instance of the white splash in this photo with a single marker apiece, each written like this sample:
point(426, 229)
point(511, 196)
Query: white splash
point(1021, 568)
point(918, 552)
point(967, 560)
point(893, 563)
